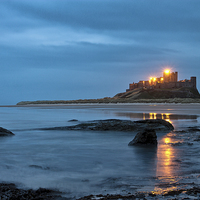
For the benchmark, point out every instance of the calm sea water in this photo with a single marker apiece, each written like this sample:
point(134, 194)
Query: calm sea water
point(86, 162)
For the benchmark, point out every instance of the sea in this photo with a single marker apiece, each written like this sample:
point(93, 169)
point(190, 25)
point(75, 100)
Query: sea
point(81, 163)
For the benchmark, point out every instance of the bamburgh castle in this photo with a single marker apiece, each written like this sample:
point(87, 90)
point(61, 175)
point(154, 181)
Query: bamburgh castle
point(168, 81)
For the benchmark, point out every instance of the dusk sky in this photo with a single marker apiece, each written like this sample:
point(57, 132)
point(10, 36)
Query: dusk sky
point(82, 49)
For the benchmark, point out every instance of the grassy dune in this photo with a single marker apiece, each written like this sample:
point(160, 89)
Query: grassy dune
point(138, 95)
point(112, 100)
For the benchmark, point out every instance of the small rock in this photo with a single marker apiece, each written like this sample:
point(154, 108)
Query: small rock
point(148, 136)
point(73, 120)
point(5, 132)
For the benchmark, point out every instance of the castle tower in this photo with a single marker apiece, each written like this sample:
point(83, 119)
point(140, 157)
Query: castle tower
point(167, 76)
point(176, 77)
point(193, 80)
point(170, 77)
point(173, 77)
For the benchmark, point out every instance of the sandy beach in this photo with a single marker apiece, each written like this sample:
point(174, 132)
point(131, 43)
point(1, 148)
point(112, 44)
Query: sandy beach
point(153, 107)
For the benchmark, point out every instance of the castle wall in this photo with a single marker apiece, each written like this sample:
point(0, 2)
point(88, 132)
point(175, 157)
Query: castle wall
point(172, 85)
point(168, 81)
point(146, 84)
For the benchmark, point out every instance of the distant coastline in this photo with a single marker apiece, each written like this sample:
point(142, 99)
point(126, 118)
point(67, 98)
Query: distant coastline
point(111, 100)
point(138, 95)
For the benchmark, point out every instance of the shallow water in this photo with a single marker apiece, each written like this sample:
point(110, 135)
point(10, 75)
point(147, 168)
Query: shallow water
point(80, 162)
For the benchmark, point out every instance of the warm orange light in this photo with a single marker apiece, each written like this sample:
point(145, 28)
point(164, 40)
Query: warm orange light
point(154, 79)
point(167, 71)
point(167, 115)
point(167, 140)
point(162, 79)
point(151, 78)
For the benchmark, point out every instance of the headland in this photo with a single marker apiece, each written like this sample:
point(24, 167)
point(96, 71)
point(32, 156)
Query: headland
point(165, 89)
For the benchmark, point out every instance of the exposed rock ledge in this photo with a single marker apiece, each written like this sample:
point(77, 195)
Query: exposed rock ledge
point(9, 191)
point(5, 132)
point(119, 125)
point(146, 137)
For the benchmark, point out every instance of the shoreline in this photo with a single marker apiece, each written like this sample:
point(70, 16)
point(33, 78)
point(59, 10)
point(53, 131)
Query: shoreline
point(111, 101)
point(11, 191)
point(156, 108)
point(106, 101)
point(101, 104)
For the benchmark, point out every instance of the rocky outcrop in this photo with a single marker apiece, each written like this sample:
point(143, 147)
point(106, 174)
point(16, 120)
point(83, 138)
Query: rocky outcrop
point(11, 192)
point(142, 93)
point(147, 137)
point(157, 124)
point(138, 95)
point(119, 125)
point(180, 193)
point(5, 132)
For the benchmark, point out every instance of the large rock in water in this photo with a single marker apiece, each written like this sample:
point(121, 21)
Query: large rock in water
point(148, 136)
point(156, 124)
point(5, 132)
point(119, 125)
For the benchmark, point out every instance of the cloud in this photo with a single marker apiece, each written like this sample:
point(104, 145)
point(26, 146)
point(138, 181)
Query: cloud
point(181, 15)
point(59, 48)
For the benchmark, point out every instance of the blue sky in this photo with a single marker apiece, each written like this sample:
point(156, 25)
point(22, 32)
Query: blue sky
point(81, 49)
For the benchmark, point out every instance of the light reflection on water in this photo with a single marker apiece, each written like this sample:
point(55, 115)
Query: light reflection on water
point(153, 115)
point(165, 155)
point(168, 164)
point(169, 117)
point(169, 155)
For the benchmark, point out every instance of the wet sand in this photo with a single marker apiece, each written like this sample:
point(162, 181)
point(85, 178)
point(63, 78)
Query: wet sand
point(178, 108)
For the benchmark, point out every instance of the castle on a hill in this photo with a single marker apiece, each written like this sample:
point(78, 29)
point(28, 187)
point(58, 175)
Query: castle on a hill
point(168, 81)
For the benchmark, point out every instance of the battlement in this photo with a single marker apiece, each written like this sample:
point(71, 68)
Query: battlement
point(169, 80)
